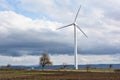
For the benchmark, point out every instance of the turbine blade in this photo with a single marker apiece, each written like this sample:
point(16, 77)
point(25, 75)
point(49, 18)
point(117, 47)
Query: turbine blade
point(81, 30)
point(65, 26)
point(77, 14)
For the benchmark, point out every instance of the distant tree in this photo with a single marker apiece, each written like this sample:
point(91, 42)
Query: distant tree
point(64, 65)
point(2, 67)
point(8, 65)
point(110, 66)
point(45, 60)
point(87, 67)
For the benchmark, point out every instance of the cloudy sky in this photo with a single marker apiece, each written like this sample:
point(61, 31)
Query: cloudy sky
point(28, 28)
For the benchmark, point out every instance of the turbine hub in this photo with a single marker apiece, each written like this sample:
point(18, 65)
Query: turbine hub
point(74, 24)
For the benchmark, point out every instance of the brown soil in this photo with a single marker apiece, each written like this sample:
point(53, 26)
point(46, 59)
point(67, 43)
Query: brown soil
point(59, 75)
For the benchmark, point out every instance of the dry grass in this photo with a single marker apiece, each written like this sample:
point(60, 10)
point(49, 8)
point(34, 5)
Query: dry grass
point(57, 75)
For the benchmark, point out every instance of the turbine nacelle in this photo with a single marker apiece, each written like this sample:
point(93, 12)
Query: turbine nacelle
point(74, 24)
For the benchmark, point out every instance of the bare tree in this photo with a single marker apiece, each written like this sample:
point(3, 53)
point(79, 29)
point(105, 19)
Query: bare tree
point(45, 60)
point(8, 66)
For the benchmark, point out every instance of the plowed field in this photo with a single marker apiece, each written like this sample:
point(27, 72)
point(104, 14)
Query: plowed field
point(58, 75)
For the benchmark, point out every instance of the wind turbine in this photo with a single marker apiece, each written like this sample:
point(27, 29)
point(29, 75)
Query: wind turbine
point(75, 37)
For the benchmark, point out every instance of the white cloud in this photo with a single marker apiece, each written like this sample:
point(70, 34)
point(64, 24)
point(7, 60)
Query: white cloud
point(16, 24)
point(60, 59)
point(17, 28)
point(99, 20)
point(55, 10)
point(86, 59)
point(23, 60)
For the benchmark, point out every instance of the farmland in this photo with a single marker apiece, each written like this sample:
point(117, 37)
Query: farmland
point(58, 75)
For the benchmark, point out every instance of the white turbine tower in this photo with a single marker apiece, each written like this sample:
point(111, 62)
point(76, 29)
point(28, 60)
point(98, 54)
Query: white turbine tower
point(75, 37)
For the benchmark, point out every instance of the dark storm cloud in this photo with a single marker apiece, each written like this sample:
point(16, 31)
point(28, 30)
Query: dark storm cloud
point(36, 48)
point(100, 50)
